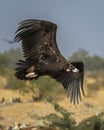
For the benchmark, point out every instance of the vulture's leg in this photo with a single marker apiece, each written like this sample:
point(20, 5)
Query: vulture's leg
point(31, 72)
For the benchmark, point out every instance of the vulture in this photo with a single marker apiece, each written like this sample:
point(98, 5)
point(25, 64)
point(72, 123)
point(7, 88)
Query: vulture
point(42, 57)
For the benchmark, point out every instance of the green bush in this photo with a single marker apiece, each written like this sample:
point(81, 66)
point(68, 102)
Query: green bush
point(92, 123)
point(61, 119)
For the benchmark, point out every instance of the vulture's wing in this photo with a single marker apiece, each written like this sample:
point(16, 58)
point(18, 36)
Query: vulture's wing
point(72, 82)
point(38, 39)
point(39, 47)
point(42, 57)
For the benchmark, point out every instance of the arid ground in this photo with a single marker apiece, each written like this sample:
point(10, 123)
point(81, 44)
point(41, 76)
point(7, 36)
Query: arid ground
point(22, 112)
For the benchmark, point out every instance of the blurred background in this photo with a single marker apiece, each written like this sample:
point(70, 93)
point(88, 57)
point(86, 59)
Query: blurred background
point(80, 23)
point(80, 36)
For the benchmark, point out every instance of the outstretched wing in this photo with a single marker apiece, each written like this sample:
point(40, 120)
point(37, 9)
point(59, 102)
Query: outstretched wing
point(72, 82)
point(38, 40)
point(39, 45)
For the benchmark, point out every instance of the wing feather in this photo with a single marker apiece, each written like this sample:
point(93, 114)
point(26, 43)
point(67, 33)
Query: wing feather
point(72, 82)
point(38, 37)
point(26, 27)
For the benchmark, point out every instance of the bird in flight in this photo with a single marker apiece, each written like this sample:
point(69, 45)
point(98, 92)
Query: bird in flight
point(42, 57)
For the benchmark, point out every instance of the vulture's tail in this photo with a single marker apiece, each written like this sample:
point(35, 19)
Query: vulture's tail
point(21, 70)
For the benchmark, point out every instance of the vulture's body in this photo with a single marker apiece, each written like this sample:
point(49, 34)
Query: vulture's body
point(42, 57)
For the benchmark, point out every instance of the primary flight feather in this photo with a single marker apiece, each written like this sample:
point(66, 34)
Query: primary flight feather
point(42, 57)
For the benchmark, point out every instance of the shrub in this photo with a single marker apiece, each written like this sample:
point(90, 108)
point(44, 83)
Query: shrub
point(61, 119)
point(92, 123)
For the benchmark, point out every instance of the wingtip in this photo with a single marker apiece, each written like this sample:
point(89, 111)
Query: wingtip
point(74, 92)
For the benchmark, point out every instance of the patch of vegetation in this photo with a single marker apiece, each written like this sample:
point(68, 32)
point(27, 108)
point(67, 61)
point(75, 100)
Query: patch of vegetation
point(60, 120)
point(1, 127)
point(92, 123)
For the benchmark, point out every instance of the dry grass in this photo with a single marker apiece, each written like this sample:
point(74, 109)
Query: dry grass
point(22, 112)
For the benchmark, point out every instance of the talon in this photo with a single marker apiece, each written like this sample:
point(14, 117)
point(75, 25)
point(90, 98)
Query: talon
point(68, 70)
point(31, 75)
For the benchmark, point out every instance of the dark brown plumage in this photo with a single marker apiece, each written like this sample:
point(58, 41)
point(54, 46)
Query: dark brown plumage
point(42, 57)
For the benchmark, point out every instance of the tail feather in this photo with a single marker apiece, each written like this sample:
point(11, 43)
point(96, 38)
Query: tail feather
point(21, 70)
